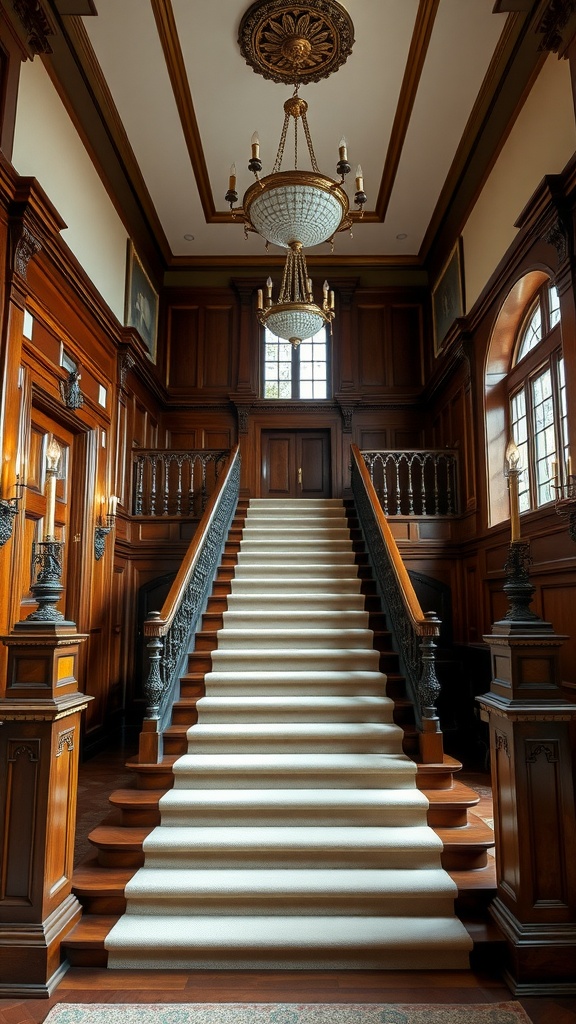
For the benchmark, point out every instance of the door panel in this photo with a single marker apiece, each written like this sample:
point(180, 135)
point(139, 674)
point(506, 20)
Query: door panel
point(296, 464)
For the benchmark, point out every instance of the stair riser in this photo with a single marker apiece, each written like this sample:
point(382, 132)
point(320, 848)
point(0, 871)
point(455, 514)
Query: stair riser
point(296, 860)
point(308, 687)
point(269, 659)
point(235, 714)
point(293, 906)
point(390, 744)
point(316, 958)
point(262, 778)
point(285, 604)
point(245, 817)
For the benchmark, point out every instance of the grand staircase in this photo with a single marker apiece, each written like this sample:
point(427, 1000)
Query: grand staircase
point(292, 831)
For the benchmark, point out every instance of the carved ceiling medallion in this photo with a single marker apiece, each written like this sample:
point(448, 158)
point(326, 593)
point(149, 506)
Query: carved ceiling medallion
point(291, 42)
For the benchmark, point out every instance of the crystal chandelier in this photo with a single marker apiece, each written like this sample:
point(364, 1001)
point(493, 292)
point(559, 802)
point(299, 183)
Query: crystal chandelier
point(296, 209)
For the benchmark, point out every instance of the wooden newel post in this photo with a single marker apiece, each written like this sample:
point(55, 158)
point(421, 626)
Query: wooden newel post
point(533, 787)
point(39, 746)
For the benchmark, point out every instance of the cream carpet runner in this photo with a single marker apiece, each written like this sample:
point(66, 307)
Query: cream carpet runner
point(295, 835)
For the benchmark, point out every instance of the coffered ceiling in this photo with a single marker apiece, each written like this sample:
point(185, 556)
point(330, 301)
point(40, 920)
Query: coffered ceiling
point(166, 103)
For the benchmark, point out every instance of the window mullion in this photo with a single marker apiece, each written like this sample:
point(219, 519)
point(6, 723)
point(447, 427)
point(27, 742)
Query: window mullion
point(296, 372)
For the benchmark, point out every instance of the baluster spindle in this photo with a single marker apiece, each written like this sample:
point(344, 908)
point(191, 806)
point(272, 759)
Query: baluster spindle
point(396, 462)
point(179, 460)
point(139, 485)
point(166, 463)
point(409, 465)
point(154, 465)
point(436, 492)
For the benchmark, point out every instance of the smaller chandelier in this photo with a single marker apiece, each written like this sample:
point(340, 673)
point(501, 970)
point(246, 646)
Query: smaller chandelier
point(295, 315)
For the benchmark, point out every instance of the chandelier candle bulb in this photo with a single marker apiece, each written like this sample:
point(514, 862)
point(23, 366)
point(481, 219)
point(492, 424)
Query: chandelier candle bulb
point(112, 505)
point(269, 288)
point(232, 178)
point(260, 299)
point(325, 289)
point(255, 146)
point(332, 300)
point(343, 149)
point(359, 179)
point(555, 474)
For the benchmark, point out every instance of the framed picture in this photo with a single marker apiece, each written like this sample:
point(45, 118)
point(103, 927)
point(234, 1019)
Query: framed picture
point(448, 297)
point(141, 304)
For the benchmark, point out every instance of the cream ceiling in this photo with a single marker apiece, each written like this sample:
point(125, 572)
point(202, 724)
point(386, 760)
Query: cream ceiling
point(181, 104)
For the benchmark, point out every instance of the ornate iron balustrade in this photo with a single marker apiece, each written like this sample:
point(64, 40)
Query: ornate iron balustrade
point(414, 631)
point(175, 483)
point(415, 483)
point(169, 633)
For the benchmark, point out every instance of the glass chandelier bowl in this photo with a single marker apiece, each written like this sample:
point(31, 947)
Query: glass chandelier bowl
point(293, 321)
point(296, 206)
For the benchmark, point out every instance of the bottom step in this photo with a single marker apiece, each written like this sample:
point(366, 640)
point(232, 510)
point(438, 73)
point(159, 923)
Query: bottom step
point(289, 943)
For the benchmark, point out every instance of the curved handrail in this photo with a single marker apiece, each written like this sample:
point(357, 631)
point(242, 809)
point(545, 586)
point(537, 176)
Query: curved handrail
point(169, 632)
point(413, 629)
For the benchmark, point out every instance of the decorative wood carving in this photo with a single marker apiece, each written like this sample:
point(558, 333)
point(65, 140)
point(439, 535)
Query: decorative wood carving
point(557, 236)
point(288, 42)
point(36, 24)
point(125, 363)
point(25, 247)
point(553, 22)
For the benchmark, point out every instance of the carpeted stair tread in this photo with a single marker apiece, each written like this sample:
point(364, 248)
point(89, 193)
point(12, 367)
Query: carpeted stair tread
point(297, 737)
point(322, 659)
point(274, 682)
point(296, 638)
point(255, 709)
point(285, 619)
point(314, 587)
point(291, 942)
point(344, 771)
point(294, 892)
point(301, 807)
point(293, 602)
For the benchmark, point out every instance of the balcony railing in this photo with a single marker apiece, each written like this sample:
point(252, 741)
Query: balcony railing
point(175, 483)
point(415, 483)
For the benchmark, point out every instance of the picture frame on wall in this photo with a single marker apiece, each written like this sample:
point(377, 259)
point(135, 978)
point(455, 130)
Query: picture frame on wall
point(448, 297)
point(141, 302)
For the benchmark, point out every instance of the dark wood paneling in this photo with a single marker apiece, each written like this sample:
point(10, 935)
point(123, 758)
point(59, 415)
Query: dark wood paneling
point(406, 348)
point(217, 342)
point(183, 345)
point(372, 332)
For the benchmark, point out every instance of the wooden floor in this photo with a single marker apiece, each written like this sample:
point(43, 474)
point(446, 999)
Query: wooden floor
point(98, 777)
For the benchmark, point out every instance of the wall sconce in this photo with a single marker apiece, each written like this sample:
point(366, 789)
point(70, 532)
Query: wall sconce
point(104, 527)
point(8, 511)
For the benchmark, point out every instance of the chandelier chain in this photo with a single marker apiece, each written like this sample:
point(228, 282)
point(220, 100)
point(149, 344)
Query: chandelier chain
point(309, 141)
point(281, 144)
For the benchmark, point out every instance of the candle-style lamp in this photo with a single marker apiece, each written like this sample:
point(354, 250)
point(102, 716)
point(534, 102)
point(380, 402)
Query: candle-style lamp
point(47, 555)
point(53, 454)
point(517, 587)
point(513, 469)
point(104, 526)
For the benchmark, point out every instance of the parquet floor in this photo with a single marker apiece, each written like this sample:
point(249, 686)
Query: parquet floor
point(102, 774)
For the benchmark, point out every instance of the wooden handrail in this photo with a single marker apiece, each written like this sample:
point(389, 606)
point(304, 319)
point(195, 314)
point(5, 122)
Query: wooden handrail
point(413, 629)
point(159, 626)
point(170, 632)
point(421, 625)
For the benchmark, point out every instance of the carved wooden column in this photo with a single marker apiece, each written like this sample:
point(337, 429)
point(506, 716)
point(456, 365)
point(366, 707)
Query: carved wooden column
point(39, 745)
point(533, 790)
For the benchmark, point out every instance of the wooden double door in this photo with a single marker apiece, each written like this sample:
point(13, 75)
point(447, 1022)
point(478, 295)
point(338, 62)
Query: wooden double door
point(296, 464)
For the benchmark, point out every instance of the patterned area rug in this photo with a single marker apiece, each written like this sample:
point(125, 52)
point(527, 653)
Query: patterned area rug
point(287, 1013)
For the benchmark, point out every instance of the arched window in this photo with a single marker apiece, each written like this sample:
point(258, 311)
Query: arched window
point(537, 401)
point(300, 372)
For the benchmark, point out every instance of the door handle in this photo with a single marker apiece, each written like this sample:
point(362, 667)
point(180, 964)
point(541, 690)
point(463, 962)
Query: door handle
point(300, 476)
